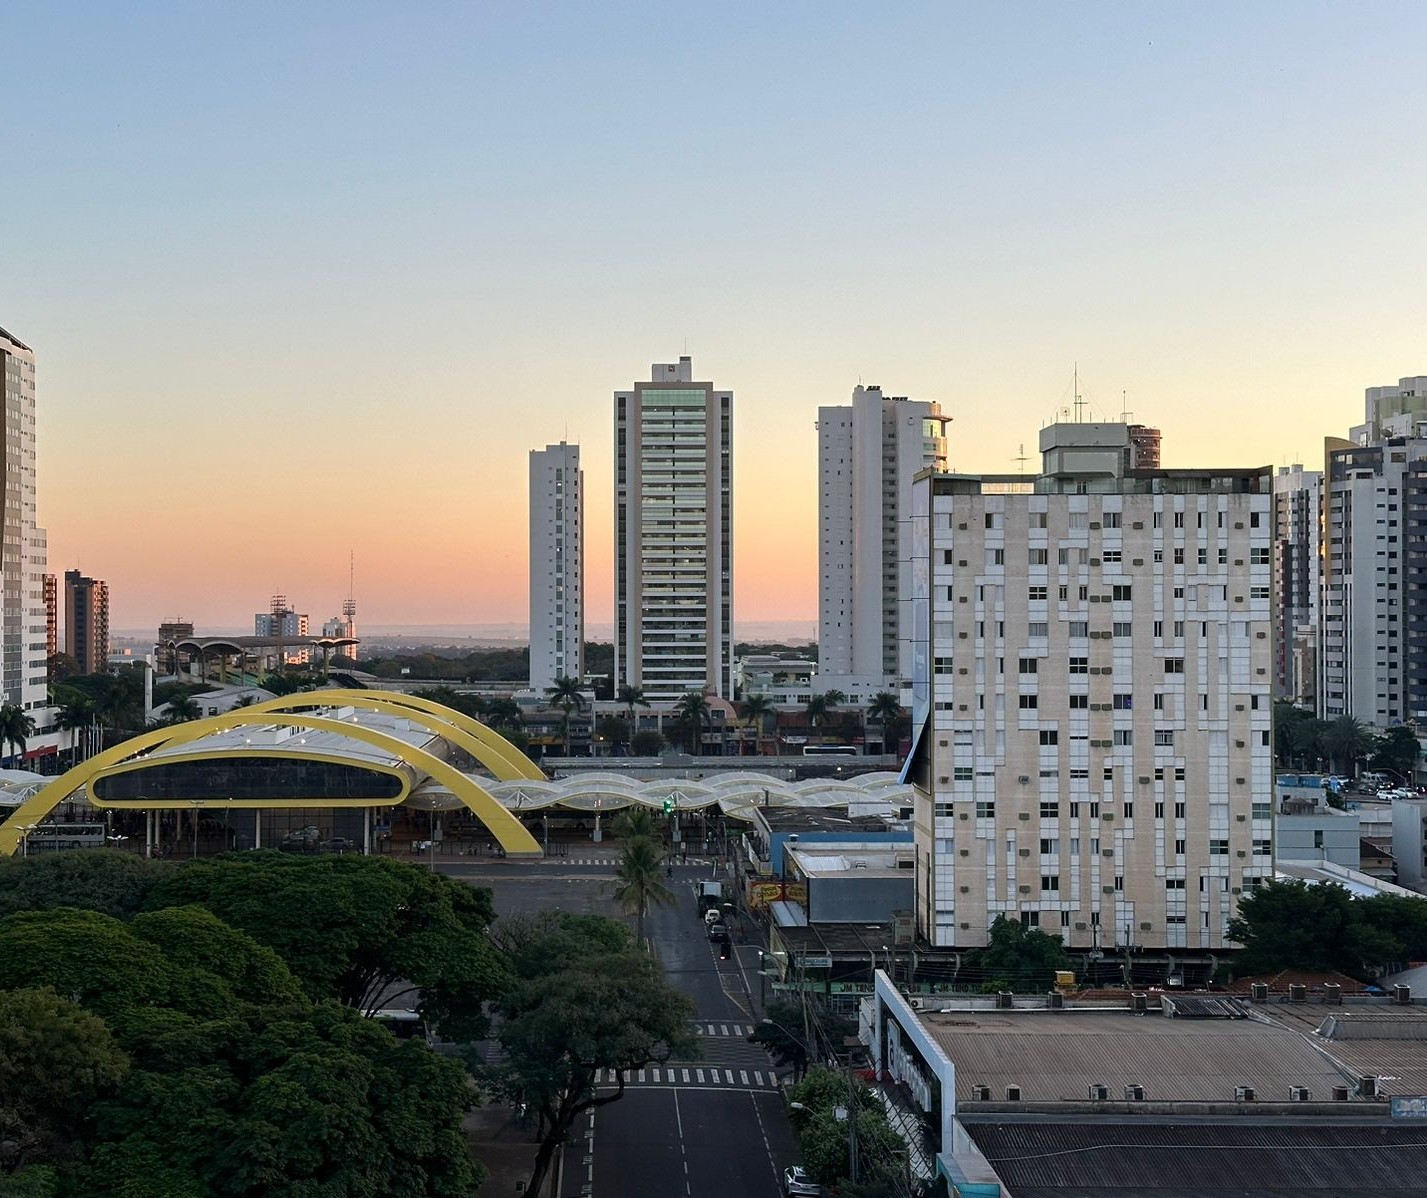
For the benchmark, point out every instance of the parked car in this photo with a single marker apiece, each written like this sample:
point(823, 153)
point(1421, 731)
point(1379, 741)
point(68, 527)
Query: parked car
point(797, 1184)
point(301, 840)
point(341, 844)
point(717, 932)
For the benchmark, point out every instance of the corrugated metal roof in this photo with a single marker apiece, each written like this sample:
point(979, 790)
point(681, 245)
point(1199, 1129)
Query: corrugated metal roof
point(1247, 1160)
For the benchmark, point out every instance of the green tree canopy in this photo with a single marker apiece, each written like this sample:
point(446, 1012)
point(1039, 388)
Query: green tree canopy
point(1018, 958)
point(1398, 750)
point(1295, 925)
point(352, 927)
point(583, 998)
point(56, 1061)
point(825, 1140)
point(105, 880)
point(647, 743)
point(792, 1039)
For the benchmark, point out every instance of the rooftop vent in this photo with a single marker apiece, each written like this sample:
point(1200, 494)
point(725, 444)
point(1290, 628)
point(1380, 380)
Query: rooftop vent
point(1258, 992)
point(980, 1093)
point(1299, 1093)
point(1134, 1092)
point(1005, 1000)
point(1055, 1000)
point(1013, 1093)
point(1297, 993)
point(1243, 1094)
point(1340, 1093)
point(1099, 1092)
point(1367, 1086)
point(1402, 995)
point(1332, 993)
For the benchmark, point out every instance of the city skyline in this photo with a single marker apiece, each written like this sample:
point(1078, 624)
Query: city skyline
point(245, 310)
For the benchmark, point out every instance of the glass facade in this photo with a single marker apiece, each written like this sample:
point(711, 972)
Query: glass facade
point(271, 779)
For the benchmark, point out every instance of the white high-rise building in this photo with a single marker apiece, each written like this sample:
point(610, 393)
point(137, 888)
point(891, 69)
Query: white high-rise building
point(1093, 690)
point(1372, 653)
point(1298, 580)
point(673, 535)
point(868, 454)
point(557, 565)
point(23, 673)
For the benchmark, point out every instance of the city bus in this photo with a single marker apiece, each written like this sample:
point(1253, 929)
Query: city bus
point(829, 750)
point(49, 837)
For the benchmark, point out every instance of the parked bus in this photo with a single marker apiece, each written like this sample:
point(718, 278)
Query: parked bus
point(49, 837)
point(829, 750)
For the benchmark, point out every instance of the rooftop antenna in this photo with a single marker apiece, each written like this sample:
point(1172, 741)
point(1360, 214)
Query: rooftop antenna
point(1125, 412)
point(349, 608)
point(1079, 402)
point(1021, 457)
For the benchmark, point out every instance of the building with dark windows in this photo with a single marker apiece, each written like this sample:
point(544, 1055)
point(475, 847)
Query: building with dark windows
point(674, 536)
point(86, 621)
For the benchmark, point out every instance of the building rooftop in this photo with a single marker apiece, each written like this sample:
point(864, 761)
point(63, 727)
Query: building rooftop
point(827, 819)
point(878, 860)
point(1057, 1055)
point(1198, 1159)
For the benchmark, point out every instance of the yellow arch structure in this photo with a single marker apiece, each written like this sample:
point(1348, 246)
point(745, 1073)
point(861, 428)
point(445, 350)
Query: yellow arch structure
point(508, 831)
point(483, 743)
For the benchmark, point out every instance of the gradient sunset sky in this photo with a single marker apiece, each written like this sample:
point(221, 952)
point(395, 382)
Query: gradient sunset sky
point(312, 279)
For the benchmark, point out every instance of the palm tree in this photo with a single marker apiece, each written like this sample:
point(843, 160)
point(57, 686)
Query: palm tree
point(567, 696)
point(639, 884)
point(1346, 741)
point(885, 710)
point(504, 712)
point(633, 822)
point(182, 708)
point(693, 709)
point(15, 728)
point(816, 710)
point(75, 717)
point(632, 697)
point(756, 710)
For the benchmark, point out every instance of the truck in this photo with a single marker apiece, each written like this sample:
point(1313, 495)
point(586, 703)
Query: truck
point(710, 897)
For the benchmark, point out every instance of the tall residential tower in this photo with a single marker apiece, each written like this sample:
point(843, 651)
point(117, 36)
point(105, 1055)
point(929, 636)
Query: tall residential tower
point(673, 535)
point(557, 565)
point(868, 454)
point(22, 547)
point(1094, 697)
point(86, 621)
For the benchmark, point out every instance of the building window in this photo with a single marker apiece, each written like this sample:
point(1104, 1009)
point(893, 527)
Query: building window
point(985, 810)
point(1164, 738)
point(1120, 593)
point(1049, 736)
point(1079, 665)
point(1036, 594)
point(1079, 702)
point(1050, 809)
point(1123, 702)
point(1028, 702)
point(1174, 665)
point(1050, 883)
point(1124, 737)
point(1027, 665)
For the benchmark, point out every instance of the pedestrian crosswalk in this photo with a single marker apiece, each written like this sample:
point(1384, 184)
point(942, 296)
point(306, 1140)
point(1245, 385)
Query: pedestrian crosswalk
point(740, 1030)
point(694, 1076)
point(613, 861)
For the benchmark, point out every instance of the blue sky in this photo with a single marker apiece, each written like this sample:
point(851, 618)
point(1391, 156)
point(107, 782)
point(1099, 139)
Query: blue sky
point(311, 279)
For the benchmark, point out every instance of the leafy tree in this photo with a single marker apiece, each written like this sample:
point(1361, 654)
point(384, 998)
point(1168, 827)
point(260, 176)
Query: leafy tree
point(1398, 750)
point(782, 1035)
point(104, 880)
point(1292, 733)
point(1018, 958)
point(56, 1061)
point(1292, 925)
point(352, 927)
point(612, 730)
point(584, 999)
point(567, 695)
point(287, 1103)
point(647, 743)
point(504, 713)
point(825, 1140)
point(639, 883)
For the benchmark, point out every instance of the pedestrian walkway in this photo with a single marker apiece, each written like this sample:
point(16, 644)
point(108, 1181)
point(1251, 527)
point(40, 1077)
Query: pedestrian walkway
point(692, 1077)
point(612, 859)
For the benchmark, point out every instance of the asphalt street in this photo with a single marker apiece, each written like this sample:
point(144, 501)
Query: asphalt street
point(706, 1128)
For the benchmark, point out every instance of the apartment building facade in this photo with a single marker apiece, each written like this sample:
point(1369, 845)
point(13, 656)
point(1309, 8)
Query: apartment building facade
point(1093, 692)
point(557, 565)
point(868, 454)
point(86, 621)
point(1297, 583)
point(674, 535)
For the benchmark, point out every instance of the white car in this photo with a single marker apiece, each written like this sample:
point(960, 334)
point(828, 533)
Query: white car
point(797, 1184)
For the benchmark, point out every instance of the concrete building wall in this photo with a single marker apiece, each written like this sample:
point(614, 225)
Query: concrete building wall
point(1099, 759)
point(23, 667)
point(1326, 835)
point(1409, 842)
point(557, 565)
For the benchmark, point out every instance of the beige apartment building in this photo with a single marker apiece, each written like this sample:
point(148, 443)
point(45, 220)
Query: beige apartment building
point(1094, 685)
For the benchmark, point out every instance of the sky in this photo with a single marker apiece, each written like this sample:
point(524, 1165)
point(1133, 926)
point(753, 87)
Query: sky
point(309, 281)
